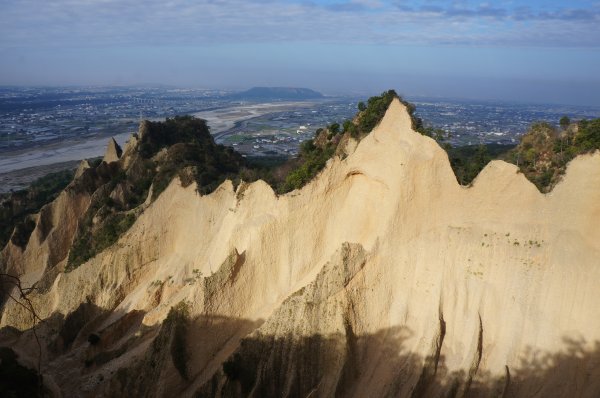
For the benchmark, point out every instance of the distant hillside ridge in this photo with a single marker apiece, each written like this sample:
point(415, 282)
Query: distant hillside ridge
point(278, 93)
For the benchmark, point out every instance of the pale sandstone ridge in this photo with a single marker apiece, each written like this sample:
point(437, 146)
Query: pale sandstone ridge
point(113, 152)
point(382, 277)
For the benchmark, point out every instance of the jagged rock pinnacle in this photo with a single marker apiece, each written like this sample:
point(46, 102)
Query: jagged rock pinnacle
point(83, 166)
point(113, 151)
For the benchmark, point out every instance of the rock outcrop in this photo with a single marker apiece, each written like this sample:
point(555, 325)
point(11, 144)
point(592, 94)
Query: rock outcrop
point(81, 168)
point(113, 152)
point(382, 277)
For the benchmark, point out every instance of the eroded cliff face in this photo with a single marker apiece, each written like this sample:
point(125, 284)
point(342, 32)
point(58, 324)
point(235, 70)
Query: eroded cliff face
point(382, 277)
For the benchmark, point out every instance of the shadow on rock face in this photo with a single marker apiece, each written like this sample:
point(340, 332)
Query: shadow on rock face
point(379, 365)
point(214, 356)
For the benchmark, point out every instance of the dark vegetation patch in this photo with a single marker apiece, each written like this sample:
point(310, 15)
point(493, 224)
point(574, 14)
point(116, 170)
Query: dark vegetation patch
point(313, 160)
point(544, 151)
point(271, 169)
point(16, 207)
point(87, 245)
point(315, 153)
point(107, 217)
point(190, 152)
point(181, 146)
point(542, 154)
point(467, 161)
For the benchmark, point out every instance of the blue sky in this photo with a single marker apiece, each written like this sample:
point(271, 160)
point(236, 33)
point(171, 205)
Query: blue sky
point(538, 51)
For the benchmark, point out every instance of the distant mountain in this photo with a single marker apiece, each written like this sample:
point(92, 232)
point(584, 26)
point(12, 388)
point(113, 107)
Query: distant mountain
point(277, 93)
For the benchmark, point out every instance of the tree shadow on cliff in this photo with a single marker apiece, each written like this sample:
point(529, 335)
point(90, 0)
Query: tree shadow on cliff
point(139, 360)
point(86, 335)
point(116, 354)
point(183, 350)
point(572, 371)
point(340, 364)
point(381, 364)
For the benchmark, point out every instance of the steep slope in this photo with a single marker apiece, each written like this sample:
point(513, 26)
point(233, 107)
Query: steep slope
point(381, 277)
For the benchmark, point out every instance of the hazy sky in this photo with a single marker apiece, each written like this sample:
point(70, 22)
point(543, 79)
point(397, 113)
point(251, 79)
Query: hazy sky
point(542, 51)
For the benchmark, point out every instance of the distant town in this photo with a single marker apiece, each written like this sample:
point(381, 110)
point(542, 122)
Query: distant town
point(259, 124)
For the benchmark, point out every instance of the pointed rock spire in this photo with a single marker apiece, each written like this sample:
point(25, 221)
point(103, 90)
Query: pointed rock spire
point(396, 120)
point(113, 151)
point(83, 166)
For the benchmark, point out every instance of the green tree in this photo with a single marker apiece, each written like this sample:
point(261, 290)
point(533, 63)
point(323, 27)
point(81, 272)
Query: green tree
point(334, 128)
point(564, 122)
point(588, 136)
point(347, 125)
